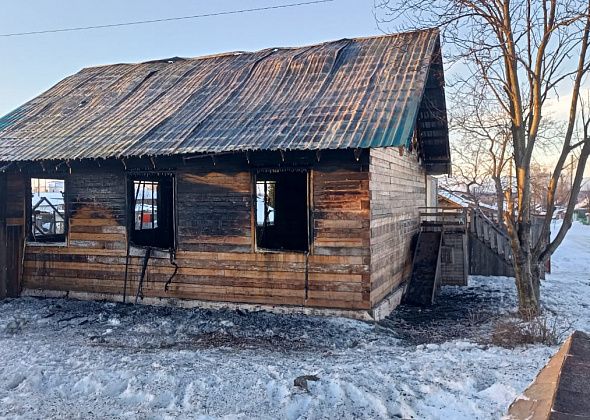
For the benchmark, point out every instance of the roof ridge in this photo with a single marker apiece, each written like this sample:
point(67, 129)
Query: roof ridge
point(175, 59)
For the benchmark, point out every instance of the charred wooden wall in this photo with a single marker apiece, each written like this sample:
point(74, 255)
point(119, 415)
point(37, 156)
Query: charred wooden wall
point(3, 243)
point(216, 254)
point(213, 208)
point(397, 190)
point(11, 233)
point(97, 209)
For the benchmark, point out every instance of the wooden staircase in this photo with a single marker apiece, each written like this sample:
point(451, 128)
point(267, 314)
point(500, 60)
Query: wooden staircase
point(455, 237)
point(428, 263)
point(425, 281)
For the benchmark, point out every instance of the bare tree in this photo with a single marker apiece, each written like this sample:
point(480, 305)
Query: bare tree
point(469, 171)
point(522, 53)
point(482, 150)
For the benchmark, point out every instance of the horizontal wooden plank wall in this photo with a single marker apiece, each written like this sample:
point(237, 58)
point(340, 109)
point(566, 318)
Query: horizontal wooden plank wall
point(213, 209)
point(341, 237)
point(216, 252)
point(397, 189)
point(97, 206)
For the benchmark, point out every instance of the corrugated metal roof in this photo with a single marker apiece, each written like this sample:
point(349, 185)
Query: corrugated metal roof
point(352, 93)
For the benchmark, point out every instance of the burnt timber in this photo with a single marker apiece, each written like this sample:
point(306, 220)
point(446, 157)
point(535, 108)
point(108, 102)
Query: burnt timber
point(360, 122)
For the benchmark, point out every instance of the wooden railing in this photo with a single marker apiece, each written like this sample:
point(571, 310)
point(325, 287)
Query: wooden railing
point(444, 218)
point(472, 219)
point(490, 233)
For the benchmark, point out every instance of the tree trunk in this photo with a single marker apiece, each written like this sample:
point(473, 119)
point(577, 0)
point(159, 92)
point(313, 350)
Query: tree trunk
point(528, 283)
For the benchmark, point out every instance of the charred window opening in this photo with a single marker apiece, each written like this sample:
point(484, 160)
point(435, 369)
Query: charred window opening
point(282, 211)
point(152, 211)
point(47, 210)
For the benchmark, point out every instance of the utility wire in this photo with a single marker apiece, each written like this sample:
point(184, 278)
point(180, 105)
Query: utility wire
point(143, 22)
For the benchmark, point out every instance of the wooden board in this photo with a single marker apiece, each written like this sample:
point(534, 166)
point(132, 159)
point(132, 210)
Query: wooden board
point(216, 250)
point(12, 230)
point(3, 242)
point(397, 190)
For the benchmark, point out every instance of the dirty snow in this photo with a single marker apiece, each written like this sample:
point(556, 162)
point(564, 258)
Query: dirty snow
point(70, 359)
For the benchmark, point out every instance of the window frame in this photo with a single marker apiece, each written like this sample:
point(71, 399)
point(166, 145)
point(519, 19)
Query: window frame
point(269, 222)
point(61, 238)
point(130, 179)
point(309, 205)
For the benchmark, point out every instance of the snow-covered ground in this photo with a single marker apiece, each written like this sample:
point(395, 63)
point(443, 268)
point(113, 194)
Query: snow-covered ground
point(70, 359)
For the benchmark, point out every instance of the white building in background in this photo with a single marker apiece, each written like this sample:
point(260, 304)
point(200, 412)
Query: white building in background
point(40, 185)
point(55, 186)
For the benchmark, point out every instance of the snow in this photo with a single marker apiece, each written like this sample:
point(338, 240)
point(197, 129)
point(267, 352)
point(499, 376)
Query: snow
point(567, 291)
point(583, 204)
point(463, 201)
point(71, 359)
point(454, 198)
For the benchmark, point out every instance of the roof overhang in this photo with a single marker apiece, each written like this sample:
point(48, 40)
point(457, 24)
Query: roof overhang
point(432, 129)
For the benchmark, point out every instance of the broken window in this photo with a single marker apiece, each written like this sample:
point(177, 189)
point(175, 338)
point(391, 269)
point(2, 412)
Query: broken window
point(47, 210)
point(282, 211)
point(152, 211)
point(265, 202)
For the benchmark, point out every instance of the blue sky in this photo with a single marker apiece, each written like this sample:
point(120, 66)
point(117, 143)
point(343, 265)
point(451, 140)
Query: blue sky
point(32, 64)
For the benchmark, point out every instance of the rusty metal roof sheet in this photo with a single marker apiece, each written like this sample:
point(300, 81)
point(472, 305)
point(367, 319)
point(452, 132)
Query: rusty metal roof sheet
point(352, 93)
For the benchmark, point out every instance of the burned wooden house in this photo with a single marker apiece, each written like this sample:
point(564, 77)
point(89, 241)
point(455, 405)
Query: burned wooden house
point(288, 176)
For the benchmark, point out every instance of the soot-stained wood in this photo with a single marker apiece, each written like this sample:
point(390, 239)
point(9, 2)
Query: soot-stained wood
point(96, 194)
point(15, 196)
point(213, 210)
point(216, 254)
point(3, 242)
point(12, 227)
